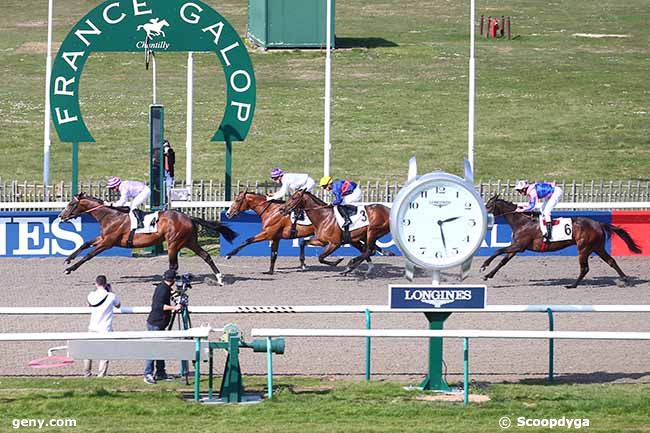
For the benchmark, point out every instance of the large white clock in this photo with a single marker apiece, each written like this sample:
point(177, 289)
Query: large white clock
point(438, 221)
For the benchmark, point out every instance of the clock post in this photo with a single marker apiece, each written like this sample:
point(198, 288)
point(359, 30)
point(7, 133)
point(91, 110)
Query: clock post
point(438, 221)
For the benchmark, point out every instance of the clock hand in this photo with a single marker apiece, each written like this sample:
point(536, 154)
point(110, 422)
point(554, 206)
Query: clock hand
point(448, 220)
point(442, 235)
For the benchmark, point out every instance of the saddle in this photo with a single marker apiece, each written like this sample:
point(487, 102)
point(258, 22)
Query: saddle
point(350, 209)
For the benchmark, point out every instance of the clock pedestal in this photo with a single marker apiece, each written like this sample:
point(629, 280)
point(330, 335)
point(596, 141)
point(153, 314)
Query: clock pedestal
point(435, 380)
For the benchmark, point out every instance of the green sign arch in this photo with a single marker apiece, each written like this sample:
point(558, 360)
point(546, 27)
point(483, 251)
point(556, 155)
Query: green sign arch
point(162, 25)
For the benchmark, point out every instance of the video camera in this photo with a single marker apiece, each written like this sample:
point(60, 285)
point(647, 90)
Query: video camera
point(183, 284)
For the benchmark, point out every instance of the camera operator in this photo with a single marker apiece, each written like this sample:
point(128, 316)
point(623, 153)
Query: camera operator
point(158, 320)
point(101, 302)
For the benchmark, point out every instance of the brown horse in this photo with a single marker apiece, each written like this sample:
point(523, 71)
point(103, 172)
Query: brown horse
point(329, 234)
point(179, 230)
point(588, 235)
point(275, 225)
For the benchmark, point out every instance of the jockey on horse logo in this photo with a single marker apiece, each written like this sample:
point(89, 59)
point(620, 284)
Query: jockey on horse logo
point(154, 27)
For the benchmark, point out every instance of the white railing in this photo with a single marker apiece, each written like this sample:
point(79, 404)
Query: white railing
point(43, 205)
point(201, 332)
point(310, 309)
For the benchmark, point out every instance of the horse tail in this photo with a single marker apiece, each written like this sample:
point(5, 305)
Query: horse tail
point(609, 228)
point(214, 228)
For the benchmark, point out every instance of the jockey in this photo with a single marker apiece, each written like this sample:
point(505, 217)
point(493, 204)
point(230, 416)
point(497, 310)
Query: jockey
point(291, 182)
point(132, 190)
point(550, 195)
point(345, 192)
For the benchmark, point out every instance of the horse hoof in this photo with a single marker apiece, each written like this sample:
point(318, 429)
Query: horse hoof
point(485, 278)
point(483, 268)
point(67, 272)
point(228, 257)
point(346, 271)
point(303, 267)
point(268, 273)
point(621, 283)
point(219, 279)
point(572, 286)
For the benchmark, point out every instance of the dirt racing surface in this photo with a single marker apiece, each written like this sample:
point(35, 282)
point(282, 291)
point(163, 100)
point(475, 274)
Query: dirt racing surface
point(525, 280)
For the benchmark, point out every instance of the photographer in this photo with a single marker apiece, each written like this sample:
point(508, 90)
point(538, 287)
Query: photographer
point(158, 320)
point(101, 301)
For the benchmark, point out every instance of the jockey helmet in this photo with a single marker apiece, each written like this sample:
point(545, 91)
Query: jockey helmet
point(324, 181)
point(113, 182)
point(521, 185)
point(276, 172)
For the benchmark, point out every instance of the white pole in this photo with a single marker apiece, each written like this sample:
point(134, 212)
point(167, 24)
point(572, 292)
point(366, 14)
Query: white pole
point(46, 124)
point(153, 71)
point(188, 129)
point(328, 88)
point(472, 78)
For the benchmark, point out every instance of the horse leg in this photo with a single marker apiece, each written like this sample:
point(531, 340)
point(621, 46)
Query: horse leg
point(303, 244)
point(172, 255)
point(360, 246)
point(489, 260)
point(98, 249)
point(611, 262)
point(274, 255)
point(329, 249)
point(76, 252)
point(257, 238)
point(583, 258)
point(501, 264)
point(194, 246)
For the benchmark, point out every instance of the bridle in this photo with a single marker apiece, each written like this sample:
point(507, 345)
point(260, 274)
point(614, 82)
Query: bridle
point(73, 215)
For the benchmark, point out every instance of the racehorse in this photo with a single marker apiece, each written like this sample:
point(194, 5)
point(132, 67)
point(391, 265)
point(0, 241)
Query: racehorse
point(330, 235)
point(179, 230)
point(275, 225)
point(588, 235)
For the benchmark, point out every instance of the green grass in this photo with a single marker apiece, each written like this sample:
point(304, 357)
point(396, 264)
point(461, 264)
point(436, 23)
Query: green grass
point(549, 105)
point(314, 405)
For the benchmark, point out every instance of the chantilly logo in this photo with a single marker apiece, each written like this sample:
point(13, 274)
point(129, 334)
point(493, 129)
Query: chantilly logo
point(153, 28)
point(437, 298)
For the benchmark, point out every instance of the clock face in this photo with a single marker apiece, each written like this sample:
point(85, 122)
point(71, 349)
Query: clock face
point(440, 221)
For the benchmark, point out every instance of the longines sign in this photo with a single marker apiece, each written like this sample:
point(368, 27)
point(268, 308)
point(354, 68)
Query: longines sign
point(159, 25)
point(437, 298)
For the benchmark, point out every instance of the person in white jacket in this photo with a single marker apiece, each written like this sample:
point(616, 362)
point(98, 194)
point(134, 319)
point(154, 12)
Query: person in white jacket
point(101, 302)
point(291, 182)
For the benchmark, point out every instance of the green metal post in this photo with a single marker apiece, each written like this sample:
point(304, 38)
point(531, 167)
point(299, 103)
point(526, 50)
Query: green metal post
point(210, 375)
point(232, 387)
point(551, 345)
point(465, 371)
point(228, 184)
point(197, 368)
point(75, 167)
point(368, 345)
point(435, 380)
point(269, 367)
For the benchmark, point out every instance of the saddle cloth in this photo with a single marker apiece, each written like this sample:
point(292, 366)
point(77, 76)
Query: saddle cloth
point(301, 222)
point(150, 223)
point(562, 229)
point(359, 219)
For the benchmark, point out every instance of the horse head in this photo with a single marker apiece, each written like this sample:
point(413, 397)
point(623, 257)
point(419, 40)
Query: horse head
point(238, 205)
point(296, 201)
point(79, 204)
point(497, 206)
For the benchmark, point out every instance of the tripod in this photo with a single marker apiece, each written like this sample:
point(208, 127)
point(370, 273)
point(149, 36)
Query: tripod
point(184, 322)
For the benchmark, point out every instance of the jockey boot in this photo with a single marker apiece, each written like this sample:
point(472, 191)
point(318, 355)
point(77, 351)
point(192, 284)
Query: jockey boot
point(346, 224)
point(139, 218)
point(549, 231)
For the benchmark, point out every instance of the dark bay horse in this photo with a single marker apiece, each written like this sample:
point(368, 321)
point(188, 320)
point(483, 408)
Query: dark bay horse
point(588, 235)
point(329, 234)
point(179, 230)
point(275, 224)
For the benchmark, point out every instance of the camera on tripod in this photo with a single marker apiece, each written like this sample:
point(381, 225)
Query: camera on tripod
point(183, 284)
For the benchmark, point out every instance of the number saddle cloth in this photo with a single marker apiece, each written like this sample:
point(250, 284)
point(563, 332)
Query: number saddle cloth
point(359, 217)
point(150, 221)
point(302, 221)
point(562, 229)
